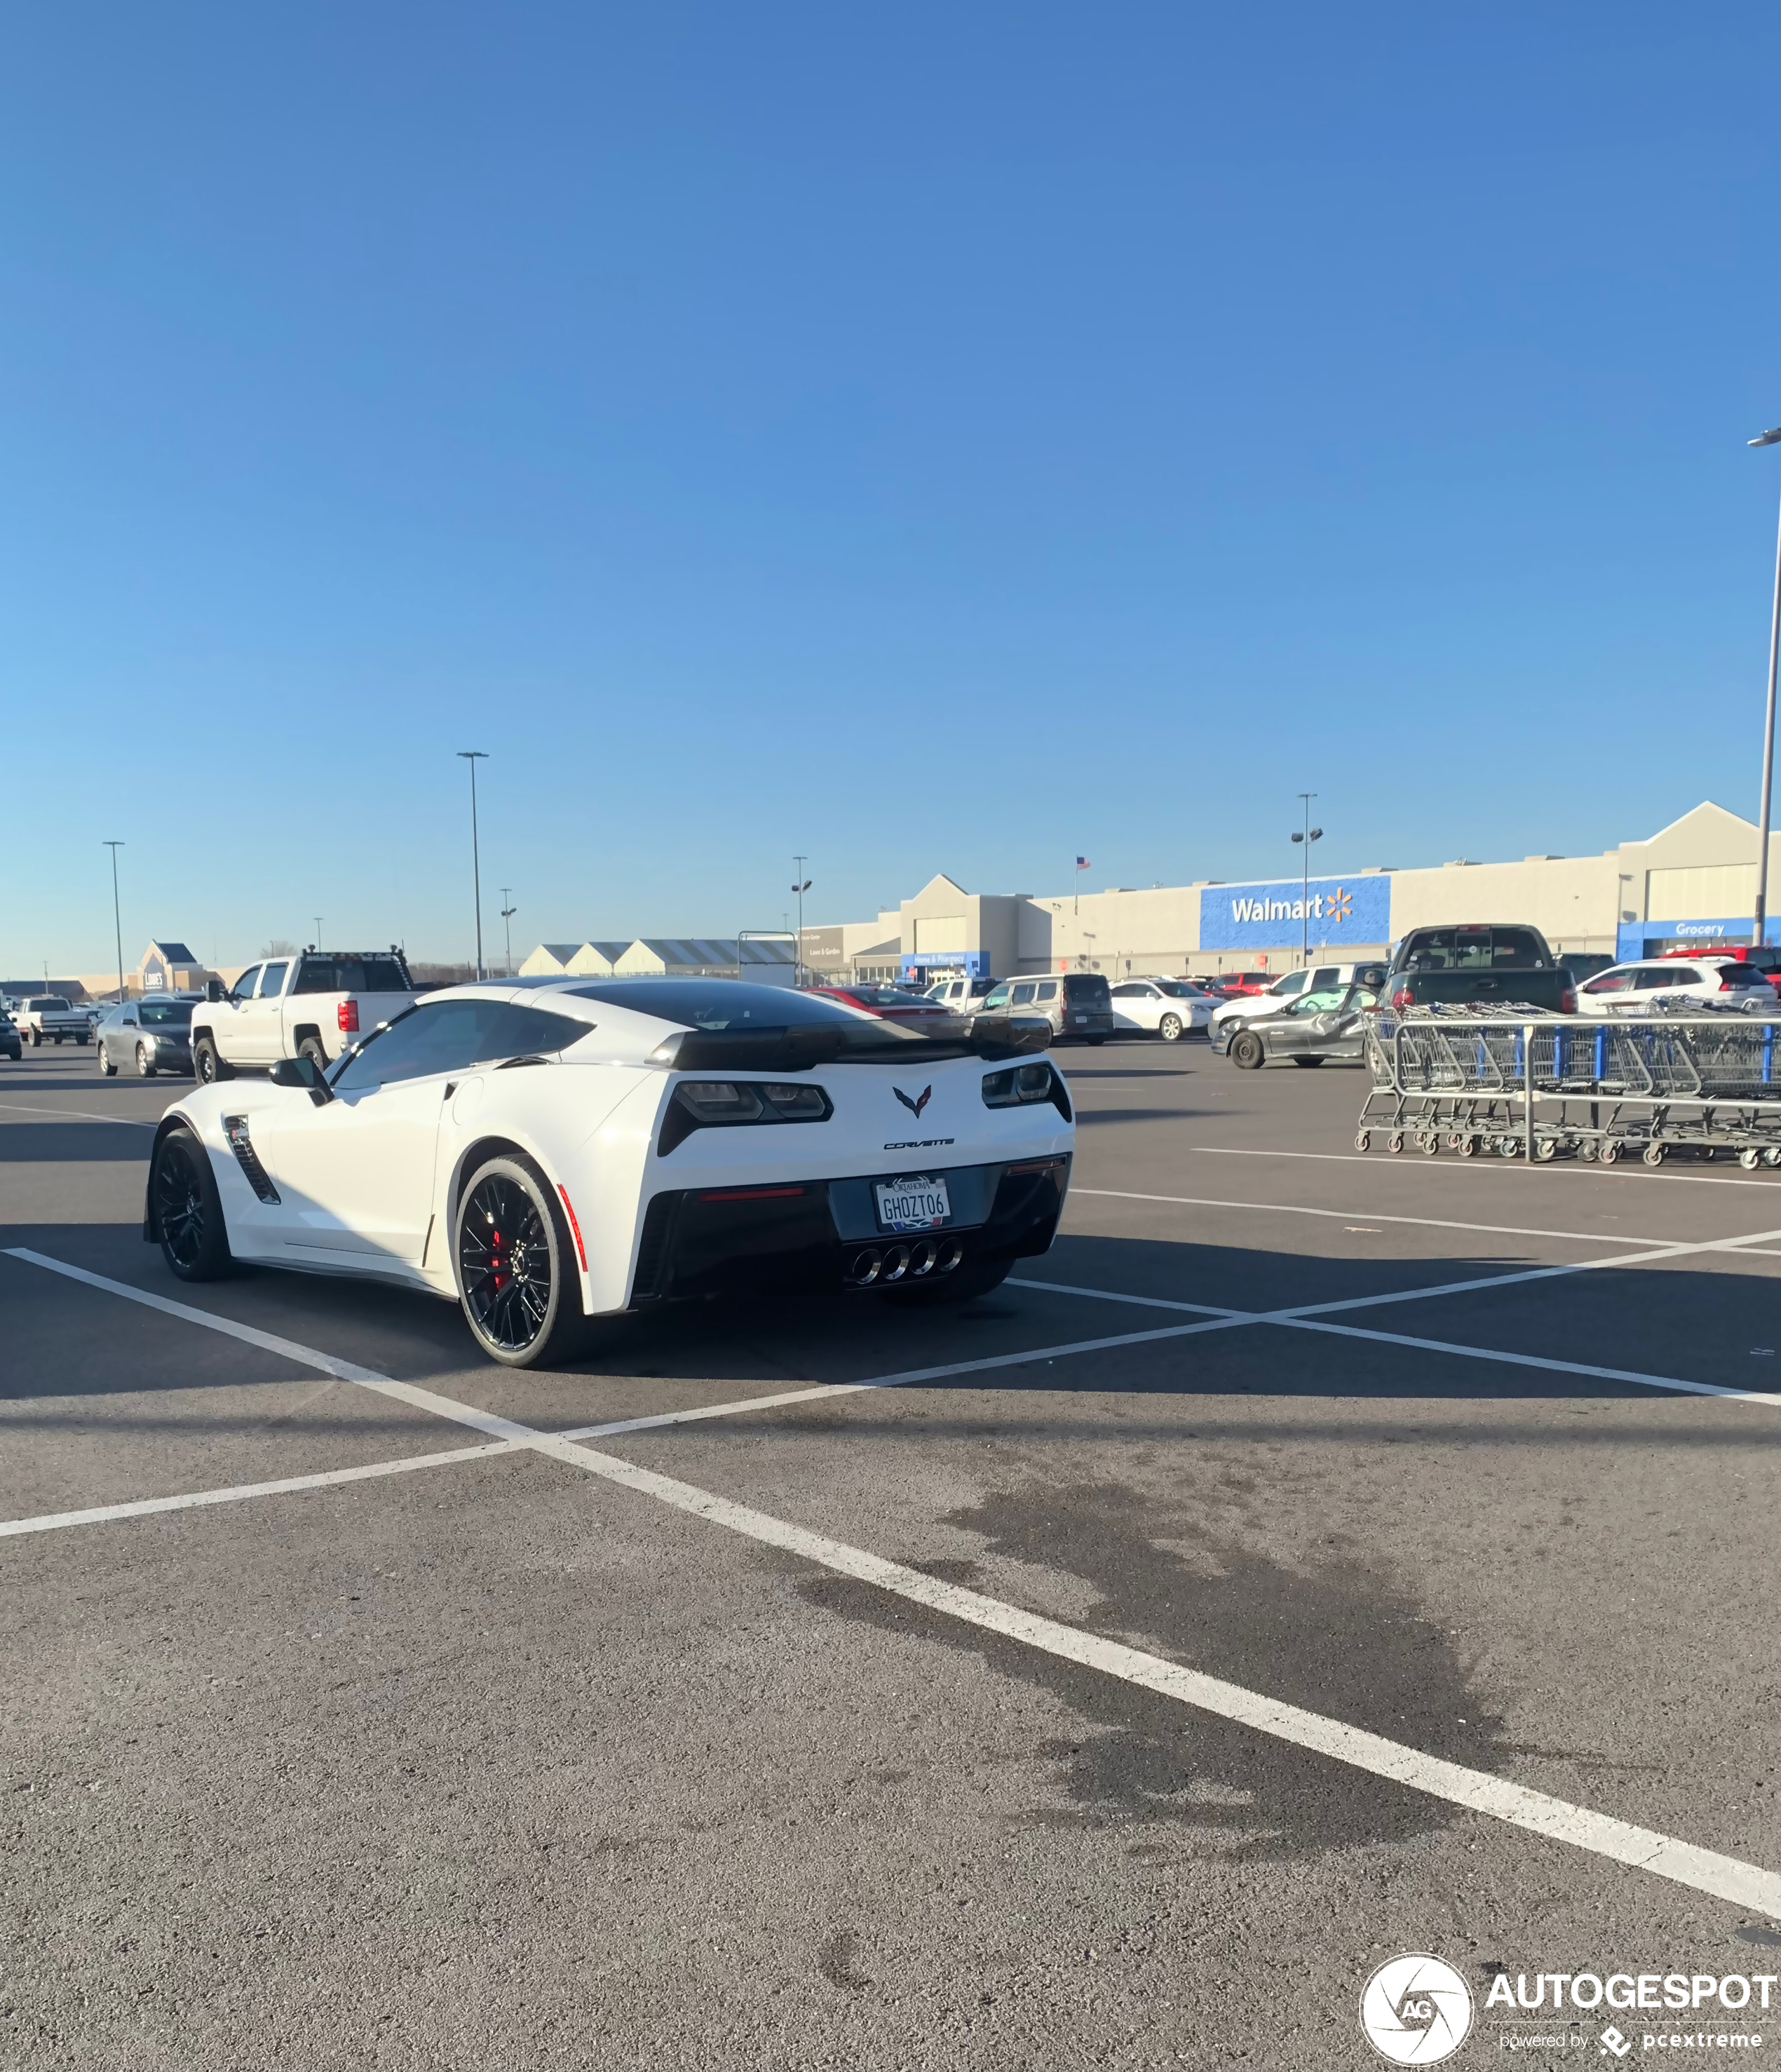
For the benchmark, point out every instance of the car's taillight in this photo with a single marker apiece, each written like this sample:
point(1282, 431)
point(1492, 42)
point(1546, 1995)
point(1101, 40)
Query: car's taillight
point(1725, 985)
point(346, 1014)
point(1401, 997)
point(1567, 1002)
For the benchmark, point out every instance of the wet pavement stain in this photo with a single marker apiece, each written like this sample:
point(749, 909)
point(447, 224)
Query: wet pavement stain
point(835, 1961)
point(1340, 1640)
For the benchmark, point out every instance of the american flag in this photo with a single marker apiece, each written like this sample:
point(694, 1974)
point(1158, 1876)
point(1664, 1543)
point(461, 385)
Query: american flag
point(1084, 864)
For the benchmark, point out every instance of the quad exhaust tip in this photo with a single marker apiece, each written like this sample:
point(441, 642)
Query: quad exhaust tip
point(884, 1267)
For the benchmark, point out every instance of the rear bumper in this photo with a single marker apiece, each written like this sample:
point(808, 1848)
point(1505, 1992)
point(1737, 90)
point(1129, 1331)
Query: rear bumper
point(811, 1236)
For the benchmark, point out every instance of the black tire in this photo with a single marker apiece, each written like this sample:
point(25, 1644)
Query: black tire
point(188, 1210)
point(528, 1317)
point(208, 1064)
point(58, 1042)
point(84, 1039)
point(36, 1039)
point(312, 1047)
point(964, 1283)
point(1307, 1061)
point(1169, 1029)
point(107, 1069)
point(144, 1069)
point(1247, 1050)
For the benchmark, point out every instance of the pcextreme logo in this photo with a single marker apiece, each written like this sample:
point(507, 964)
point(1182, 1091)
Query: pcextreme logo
point(1416, 2009)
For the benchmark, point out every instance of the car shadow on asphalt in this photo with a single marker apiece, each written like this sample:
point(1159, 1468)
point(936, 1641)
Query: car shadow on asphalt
point(1629, 1317)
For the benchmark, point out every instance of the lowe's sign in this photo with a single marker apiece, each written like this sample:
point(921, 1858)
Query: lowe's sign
point(1331, 911)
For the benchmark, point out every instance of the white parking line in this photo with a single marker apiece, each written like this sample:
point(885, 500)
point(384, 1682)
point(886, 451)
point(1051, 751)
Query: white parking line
point(80, 1115)
point(1480, 1166)
point(1537, 1360)
point(1307, 1321)
point(103, 1514)
point(1536, 1812)
point(1419, 1222)
point(1702, 1870)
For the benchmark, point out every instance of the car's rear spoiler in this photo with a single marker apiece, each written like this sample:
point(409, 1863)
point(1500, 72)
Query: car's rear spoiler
point(799, 1048)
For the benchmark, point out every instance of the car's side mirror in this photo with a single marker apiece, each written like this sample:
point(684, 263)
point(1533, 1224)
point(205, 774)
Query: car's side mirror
point(303, 1071)
point(213, 988)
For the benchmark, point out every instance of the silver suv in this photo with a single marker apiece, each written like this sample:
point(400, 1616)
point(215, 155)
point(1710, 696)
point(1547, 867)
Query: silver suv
point(1078, 1005)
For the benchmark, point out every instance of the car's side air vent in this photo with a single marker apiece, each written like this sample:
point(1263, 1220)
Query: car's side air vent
point(654, 1248)
point(236, 1127)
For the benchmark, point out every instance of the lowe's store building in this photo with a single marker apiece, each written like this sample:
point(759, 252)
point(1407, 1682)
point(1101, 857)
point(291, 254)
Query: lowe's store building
point(1690, 886)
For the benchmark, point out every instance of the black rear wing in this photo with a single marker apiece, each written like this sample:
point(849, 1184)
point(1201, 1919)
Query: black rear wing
point(800, 1047)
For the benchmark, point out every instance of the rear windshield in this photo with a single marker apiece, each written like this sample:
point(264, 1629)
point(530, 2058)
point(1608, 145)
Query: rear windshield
point(887, 995)
point(50, 1003)
point(1473, 949)
point(329, 974)
point(1088, 987)
point(1741, 975)
point(166, 1014)
point(732, 1007)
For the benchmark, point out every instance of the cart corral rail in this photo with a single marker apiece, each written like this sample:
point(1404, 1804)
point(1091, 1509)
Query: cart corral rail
point(1540, 1085)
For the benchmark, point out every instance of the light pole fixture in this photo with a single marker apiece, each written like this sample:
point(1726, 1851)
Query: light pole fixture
point(1309, 835)
point(1769, 438)
point(800, 886)
point(509, 910)
point(117, 922)
point(473, 756)
point(317, 943)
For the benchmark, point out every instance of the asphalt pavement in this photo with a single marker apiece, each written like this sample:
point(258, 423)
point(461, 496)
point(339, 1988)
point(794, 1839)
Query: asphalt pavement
point(1317, 1556)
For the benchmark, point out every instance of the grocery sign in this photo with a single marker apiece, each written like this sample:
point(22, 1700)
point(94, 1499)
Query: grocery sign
point(1280, 914)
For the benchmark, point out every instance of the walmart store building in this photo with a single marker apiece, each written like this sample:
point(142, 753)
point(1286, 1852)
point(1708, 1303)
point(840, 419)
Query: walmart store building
point(1690, 885)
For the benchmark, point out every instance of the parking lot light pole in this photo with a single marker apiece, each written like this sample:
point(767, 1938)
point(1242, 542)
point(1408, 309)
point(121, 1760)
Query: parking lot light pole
point(509, 910)
point(1769, 438)
point(1309, 835)
point(473, 756)
point(801, 886)
point(116, 921)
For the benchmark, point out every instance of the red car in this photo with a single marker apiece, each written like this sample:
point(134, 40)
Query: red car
point(1230, 983)
point(892, 1003)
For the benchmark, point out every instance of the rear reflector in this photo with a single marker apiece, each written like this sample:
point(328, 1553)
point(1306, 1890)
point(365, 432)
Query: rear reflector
point(754, 1194)
point(580, 1249)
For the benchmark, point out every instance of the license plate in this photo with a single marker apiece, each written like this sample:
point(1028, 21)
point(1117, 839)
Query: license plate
point(913, 1205)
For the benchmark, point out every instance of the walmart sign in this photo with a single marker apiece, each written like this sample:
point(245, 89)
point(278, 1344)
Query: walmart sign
point(1332, 910)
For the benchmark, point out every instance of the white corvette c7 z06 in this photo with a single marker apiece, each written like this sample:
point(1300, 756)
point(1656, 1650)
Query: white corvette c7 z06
point(547, 1154)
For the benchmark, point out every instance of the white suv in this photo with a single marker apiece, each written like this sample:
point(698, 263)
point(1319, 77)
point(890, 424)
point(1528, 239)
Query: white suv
point(1319, 978)
point(1170, 1008)
point(1656, 981)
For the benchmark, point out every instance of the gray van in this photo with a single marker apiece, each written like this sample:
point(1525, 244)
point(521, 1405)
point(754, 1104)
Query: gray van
point(1078, 1005)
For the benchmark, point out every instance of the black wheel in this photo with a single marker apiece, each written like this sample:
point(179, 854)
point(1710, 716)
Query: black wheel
point(1307, 1061)
point(144, 1069)
point(1246, 1050)
point(84, 1039)
point(188, 1212)
point(517, 1271)
point(312, 1047)
point(107, 1069)
point(208, 1065)
point(1094, 1042)
point(964, 1283)
point(1169, 1029)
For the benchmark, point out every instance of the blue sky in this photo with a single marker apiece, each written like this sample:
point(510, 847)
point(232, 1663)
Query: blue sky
point(931, 438)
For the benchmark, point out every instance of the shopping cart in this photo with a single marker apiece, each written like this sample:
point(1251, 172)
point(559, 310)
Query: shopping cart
point(1532, 1085)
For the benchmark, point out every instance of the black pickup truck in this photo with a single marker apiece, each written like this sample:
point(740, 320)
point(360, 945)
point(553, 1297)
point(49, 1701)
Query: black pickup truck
point(1487, 964)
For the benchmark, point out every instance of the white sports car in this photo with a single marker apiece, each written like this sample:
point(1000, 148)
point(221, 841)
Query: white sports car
point(548, 1152)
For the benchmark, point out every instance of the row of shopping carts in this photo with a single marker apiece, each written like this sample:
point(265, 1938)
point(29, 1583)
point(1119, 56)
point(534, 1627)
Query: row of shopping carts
point(1538, 1086)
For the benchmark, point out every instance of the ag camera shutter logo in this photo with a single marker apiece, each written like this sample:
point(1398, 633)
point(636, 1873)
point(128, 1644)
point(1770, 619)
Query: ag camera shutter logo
point(1416, 2010)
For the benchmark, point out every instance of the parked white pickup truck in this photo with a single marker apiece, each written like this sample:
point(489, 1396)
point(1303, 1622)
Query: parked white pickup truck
point(312, 1005)
point(48, 1017)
